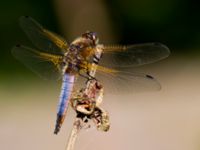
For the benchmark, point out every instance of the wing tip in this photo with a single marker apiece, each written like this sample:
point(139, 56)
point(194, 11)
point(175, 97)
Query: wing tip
point(158, 87)
point(24, 21)
point(26, 16)
point(167, 50)
point(23, 17)
point(18, 45)
point(150, 77)
point(15, 49)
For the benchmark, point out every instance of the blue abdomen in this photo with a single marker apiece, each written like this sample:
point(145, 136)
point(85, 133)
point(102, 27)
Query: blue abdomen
point(67, 87)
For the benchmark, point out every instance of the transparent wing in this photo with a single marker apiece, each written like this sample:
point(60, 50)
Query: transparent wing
point(133, 55)
point(116, 81)
point(126, 82)
point(46, 65)
point(43, 39)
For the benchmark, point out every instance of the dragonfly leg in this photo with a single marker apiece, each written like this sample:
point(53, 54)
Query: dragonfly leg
point(84, 76)
point(90, 77)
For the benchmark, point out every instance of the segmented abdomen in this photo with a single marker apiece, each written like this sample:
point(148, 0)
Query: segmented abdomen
point(66, 90)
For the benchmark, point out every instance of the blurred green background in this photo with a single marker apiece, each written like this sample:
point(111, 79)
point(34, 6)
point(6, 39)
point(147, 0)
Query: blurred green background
point(165, 120)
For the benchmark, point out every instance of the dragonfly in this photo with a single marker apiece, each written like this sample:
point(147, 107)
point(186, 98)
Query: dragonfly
point(54, 58)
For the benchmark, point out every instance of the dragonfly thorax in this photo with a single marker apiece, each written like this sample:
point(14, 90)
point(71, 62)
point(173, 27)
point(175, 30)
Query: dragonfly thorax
point(81, 52)
point(74, 59)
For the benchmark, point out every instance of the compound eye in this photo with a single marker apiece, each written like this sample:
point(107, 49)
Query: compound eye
point(86, 35)
point(95, 38)
point(94, 35)
point(91, 36)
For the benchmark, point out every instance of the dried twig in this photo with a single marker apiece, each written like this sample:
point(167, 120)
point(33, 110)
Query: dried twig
point(79, 123)
point(74, 134)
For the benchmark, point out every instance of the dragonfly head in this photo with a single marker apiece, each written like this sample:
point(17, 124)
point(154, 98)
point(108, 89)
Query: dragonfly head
point(91, 36)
